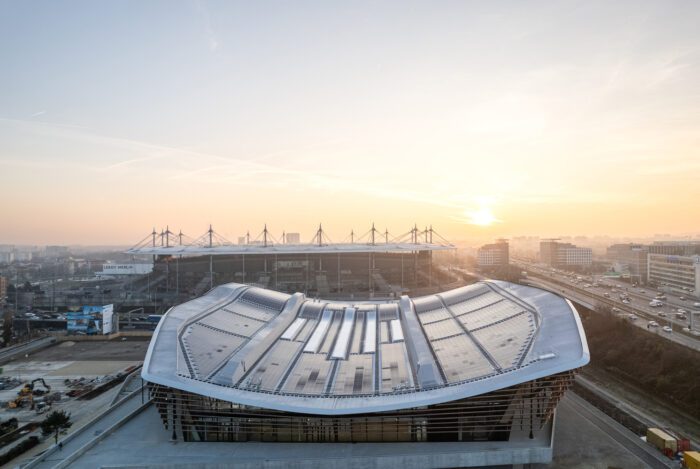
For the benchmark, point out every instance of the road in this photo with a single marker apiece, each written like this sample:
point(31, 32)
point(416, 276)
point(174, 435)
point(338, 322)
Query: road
point(625, 310)
point(639, 296)
point(644, 452)
point(638, 304)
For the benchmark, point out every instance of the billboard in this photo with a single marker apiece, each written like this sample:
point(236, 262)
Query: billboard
point(107, 315)
point(78, 322)
point(91, 320)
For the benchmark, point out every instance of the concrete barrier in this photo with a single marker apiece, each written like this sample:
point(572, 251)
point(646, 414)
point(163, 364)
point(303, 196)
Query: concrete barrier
point(15, 351)
point(63, 337)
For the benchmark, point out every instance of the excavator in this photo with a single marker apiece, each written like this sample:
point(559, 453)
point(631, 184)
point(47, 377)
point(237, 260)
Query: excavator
point(27, 393)
point(20, 400)
point(29, 388)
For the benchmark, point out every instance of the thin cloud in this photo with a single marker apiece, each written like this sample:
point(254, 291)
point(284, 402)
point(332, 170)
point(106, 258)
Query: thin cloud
point(203, 12)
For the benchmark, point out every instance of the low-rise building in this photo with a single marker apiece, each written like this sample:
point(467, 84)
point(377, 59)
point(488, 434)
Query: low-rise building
point(110, 269)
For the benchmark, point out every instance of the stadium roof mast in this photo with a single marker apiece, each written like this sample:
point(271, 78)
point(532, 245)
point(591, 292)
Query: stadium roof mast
point(265, 235)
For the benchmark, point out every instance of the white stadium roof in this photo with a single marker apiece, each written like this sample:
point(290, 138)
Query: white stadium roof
point(211, 243)
point(254, 249)
point(267, 349)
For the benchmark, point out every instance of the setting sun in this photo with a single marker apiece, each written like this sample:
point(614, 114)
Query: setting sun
point(481, 217)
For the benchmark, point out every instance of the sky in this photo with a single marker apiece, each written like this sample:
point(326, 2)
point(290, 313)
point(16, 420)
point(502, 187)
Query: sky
point(482, 119)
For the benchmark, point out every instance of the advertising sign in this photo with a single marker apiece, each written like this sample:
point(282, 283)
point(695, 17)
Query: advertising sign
point(107, 315)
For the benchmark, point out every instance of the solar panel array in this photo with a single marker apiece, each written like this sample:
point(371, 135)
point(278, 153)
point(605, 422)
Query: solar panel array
point(332, 348)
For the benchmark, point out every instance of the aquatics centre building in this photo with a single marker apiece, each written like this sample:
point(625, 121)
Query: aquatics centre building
point(468, 377)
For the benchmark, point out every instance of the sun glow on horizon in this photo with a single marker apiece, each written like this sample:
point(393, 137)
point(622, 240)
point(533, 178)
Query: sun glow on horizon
point(481, 217)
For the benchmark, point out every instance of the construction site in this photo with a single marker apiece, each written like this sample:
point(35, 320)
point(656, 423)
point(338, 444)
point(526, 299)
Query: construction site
point(81, 378)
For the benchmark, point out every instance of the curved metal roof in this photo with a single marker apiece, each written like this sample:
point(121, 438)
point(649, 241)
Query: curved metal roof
point(272, 350)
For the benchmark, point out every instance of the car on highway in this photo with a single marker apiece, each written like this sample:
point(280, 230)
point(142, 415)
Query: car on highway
point(632, 317)
point(655, 303)
point(697, 305)
point(626, 301)
point(616, 310)
point(653, 324)
point(667, 329)
point(662, 314)
point(682, 311)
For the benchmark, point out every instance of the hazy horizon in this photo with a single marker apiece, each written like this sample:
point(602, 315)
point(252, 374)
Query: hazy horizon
point(484, 120)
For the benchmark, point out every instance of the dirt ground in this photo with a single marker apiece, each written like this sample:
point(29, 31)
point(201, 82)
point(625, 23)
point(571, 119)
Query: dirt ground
point(115, 350)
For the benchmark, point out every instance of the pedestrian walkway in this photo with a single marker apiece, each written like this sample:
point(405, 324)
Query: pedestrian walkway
point(93, 430)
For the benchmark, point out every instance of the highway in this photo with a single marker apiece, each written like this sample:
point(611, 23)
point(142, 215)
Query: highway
point(638, 303)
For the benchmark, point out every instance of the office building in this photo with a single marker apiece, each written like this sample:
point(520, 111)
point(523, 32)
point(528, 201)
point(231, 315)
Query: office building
point(675, 248)
point(630, 259)
point(3, 287)
point(680, 274)
point(55, 252)
point(564, 255)
point(494, 255)
point(292, 238)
